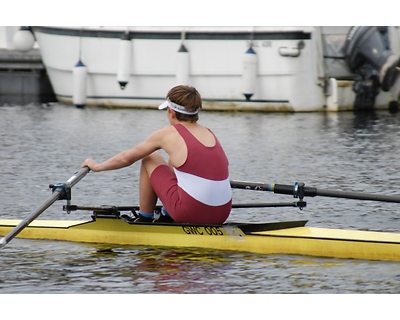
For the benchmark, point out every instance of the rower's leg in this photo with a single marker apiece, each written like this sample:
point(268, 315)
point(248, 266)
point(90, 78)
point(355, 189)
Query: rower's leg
point(148, 198)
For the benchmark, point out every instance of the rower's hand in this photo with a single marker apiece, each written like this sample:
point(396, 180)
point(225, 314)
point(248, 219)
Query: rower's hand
point(91, 164)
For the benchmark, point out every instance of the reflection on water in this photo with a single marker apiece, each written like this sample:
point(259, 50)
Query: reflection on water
point(42, 144)
point(58, 267)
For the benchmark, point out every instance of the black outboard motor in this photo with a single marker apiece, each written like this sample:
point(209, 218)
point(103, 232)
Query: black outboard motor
point(368, 55)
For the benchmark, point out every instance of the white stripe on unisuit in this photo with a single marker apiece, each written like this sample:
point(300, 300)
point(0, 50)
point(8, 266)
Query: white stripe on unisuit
point(210, 192)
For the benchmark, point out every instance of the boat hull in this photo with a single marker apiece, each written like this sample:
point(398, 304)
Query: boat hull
point(290, 74)
point(291, 237)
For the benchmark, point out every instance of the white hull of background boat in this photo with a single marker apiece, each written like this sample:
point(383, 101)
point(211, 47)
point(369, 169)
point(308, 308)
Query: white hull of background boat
point(292, 69)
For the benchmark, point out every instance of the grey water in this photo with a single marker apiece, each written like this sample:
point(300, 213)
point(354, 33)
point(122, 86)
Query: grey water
point(42, 144)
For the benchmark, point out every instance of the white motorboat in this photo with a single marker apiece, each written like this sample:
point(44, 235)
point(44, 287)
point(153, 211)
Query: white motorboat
point(294, 69)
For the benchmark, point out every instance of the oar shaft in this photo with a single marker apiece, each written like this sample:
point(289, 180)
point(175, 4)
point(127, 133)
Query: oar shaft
point(358, 195)
point(14, 232)
point(275, 188)
point(50, 200)
point(312, 192)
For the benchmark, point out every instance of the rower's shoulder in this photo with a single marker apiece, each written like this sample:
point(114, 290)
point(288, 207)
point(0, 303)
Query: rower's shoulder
point(163, 132)
point(165, 129)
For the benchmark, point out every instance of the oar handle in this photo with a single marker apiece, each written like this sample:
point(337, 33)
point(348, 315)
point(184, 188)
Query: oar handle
point(295, 191)
point(56, 195)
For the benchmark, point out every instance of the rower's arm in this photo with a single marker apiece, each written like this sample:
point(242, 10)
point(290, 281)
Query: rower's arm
point(129, 157)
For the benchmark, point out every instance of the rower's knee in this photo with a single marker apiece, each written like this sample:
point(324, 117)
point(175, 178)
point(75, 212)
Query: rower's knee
point(152, 161)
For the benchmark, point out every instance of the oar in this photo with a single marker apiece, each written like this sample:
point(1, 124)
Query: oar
point(298, 190)
point(59, 191)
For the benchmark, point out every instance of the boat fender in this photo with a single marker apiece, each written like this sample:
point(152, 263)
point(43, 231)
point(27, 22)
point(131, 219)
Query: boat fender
point(79, 84)
point(332, 95)
point(249, 73)
point(23, 39)
point(182, 68)
point(124, 61)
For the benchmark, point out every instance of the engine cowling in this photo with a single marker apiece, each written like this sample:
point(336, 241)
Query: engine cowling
point(368, 55)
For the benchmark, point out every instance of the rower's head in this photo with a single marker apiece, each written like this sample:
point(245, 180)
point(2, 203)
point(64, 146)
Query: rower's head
point(185, 101)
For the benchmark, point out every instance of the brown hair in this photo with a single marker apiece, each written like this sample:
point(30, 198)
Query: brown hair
point(188, 97)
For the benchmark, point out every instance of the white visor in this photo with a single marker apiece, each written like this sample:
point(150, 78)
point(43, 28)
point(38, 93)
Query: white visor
point(176, 107)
